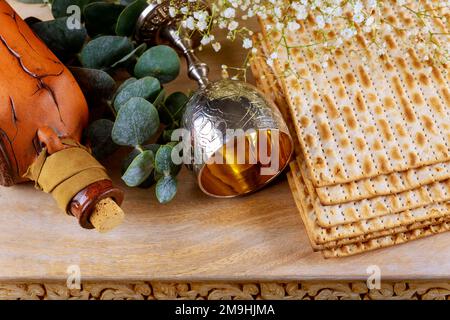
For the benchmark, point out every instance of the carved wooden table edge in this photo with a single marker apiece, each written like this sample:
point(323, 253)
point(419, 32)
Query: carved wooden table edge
point(305, 290)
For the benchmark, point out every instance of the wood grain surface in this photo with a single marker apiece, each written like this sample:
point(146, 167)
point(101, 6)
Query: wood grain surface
point(194, 238)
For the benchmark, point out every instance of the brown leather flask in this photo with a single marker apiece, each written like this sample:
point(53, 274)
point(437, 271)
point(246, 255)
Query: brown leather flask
point(41, 108)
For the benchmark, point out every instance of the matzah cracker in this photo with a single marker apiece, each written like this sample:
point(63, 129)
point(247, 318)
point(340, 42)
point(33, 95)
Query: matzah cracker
point(369, 208)
point(332, 215)
point(367, 188)
point(362, 238)
point(387, 241)
point(384, 185)
point(381, 185)
point(390, 129)
point(320, 235)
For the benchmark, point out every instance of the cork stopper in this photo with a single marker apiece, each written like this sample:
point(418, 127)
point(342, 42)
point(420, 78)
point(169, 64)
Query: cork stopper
point(106, 215)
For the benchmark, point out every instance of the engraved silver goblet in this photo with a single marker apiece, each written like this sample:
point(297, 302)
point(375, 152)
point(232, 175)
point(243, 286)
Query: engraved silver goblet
point(238, 138)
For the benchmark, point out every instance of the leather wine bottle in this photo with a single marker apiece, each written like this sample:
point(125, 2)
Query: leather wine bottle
point(42, 115)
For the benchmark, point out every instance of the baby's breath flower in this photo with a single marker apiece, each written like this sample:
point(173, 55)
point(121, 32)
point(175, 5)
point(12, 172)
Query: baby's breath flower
point(345, 18)
point(189, 23)
point(293, 26)
point(184, 10)
point(172, 12)
point(229, 13)
point(247, 43)
point(320, 20)
point(207, 39)
point(233, 25)
point(347, 33)
point(358, 18)
point(217, 46)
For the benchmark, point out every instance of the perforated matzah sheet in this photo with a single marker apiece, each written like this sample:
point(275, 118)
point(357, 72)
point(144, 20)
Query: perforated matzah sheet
point(346, 241)
point(319, 235)
point(332, 215)
point(361, 118)
point(392, 183)
point(400, 182)
point(387, 241)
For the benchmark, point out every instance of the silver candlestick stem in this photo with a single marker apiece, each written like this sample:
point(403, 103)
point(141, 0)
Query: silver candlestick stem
point(197, 70)
point(156, 26)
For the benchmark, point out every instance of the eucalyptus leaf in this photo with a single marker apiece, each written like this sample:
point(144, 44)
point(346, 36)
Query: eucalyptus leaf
point(101, 18)
point(144, 88)
point(136, 122)
point(99, 135)
point(103, 52)
point(172, 110)
point(133, 154)
point(63, 41)
point(166, 189)
point(129, 16)
point(132, 55)
point(163, 160)
point(94, 82)
point(123, 85)
point(140, 169)
point(126, 83)
point(59, 7)
point(161, 62)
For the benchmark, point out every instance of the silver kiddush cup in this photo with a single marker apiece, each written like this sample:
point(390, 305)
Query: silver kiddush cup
point(238, 140)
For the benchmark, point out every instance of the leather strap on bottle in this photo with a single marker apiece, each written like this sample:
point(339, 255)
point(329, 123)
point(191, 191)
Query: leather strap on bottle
point(66, 172)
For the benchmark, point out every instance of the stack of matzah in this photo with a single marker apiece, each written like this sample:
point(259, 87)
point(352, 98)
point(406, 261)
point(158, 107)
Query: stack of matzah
point(373, 137)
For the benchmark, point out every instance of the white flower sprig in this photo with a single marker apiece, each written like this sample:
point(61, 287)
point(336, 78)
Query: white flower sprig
point(348, 18)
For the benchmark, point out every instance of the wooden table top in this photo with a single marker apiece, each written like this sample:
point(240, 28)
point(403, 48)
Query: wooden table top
point(259, 237)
